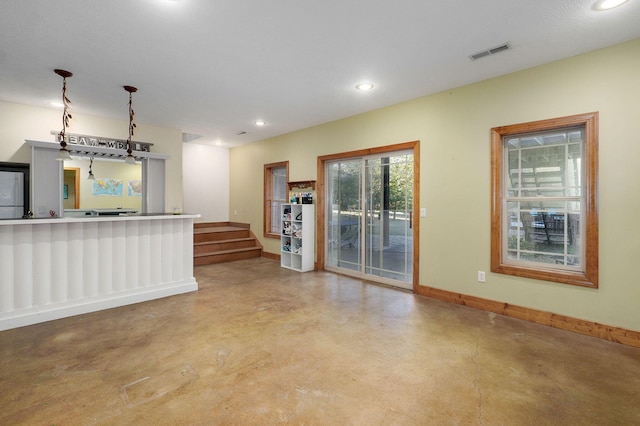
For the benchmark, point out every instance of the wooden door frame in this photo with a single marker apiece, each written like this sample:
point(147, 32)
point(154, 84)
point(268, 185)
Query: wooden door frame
point(76, 184)
point(320, 224)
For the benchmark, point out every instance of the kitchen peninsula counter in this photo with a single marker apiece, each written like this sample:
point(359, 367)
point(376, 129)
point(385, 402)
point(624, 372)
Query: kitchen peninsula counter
point(52, 268)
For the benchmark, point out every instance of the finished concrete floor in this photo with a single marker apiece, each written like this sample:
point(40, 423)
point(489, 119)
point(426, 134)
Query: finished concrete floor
point(261, 345)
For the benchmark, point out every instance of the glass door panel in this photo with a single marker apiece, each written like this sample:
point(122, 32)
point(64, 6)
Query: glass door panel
point(344, 216)
point(389, 218)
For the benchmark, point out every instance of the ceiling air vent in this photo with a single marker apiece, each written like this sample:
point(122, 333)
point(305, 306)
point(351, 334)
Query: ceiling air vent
point(188, 137)
point(491, 51)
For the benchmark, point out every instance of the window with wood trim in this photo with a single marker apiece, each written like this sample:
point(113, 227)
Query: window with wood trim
point(276, 176)
point(544, 213)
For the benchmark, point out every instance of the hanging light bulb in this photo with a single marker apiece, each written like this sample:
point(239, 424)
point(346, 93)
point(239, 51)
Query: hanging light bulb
point(91, 176)
point(64, 153)
point(130, 159)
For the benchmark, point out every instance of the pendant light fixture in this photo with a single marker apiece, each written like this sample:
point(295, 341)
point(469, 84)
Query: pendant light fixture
point(64, 153)
point(130, 158)
point(91, 176)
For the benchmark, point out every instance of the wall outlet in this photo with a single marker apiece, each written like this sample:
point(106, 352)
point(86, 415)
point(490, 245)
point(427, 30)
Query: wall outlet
point(481, 277)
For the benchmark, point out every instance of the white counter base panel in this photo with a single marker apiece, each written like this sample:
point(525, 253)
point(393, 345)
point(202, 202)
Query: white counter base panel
point(51, 269)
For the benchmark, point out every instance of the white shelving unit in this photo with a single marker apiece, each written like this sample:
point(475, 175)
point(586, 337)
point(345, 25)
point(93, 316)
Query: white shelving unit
point(298, 237)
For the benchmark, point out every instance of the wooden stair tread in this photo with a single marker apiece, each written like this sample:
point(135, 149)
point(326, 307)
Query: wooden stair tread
point(200, 225)
point(217, 229)
point(217, 253)
point(218, 242)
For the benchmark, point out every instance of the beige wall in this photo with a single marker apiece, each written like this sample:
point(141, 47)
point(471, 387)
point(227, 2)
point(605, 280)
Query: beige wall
point(20, 122)
point(453, 130)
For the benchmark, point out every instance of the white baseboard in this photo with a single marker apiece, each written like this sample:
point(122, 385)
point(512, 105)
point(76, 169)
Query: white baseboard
point(38, 314)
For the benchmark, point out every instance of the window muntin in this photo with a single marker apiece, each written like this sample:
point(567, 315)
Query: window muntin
point(543, 199)
point(544, 212)
point(279, 196)
point(275, 194)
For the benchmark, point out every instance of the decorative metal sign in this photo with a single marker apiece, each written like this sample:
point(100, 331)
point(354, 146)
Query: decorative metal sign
point(75, 139)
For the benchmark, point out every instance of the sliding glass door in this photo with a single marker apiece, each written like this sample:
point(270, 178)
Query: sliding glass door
point(370, 217)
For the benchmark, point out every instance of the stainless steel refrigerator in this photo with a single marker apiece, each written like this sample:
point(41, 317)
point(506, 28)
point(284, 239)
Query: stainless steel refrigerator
point(11, 195)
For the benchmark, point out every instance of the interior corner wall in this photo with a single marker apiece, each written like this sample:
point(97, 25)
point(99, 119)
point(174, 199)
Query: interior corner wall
point(206, 182)
point(20, 122)
point(453, 128)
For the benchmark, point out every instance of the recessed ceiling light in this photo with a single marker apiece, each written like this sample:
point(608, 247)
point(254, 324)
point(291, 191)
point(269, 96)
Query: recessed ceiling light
point(260, 123)
point(57, 104)
point(607, 4)
point(363, 87)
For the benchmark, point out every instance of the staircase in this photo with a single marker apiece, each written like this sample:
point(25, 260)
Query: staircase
point(223, 242)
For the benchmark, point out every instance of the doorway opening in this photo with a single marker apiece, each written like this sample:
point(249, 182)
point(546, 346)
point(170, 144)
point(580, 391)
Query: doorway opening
point(71, 188)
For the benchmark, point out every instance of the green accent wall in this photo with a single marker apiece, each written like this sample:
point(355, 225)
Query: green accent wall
point(453, 128)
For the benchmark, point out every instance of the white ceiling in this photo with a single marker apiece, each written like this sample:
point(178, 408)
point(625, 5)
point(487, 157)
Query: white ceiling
point(212, 67)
